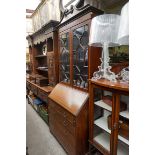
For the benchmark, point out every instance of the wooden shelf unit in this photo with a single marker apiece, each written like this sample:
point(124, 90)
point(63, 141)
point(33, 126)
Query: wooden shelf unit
point(41, 56)
point(42, 45)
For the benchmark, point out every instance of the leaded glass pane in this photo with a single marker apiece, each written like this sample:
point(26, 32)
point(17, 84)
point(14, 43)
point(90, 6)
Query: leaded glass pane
point(64, 58)
point(80, 57)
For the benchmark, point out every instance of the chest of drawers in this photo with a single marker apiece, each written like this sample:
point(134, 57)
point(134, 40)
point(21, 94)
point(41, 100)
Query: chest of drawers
point(68, 118)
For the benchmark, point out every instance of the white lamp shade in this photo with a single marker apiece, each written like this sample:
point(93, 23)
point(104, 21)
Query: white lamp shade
point(104, 28)
point(123, 34)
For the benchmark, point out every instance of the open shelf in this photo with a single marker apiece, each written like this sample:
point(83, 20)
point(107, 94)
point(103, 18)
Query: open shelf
point(102, 123)
point(84, 75)
point(104, 140)
point(103, 105)
point(41, 56)
point(43, 69)
point(125, 114)
point(126, 141)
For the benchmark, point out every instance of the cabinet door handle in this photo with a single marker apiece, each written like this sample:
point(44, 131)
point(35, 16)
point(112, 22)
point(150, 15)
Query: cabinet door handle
point(115, 126)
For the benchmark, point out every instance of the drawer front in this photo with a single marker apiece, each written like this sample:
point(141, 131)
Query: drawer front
point(52, 119)
point(65, 138)
point(63, 112)
point(42, 95)
point(34, 89)
point(65, 123)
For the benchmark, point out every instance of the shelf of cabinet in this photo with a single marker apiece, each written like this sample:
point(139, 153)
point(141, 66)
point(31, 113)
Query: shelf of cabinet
point(41, 56)
point(123, 149)
point(103, 105)
point(104, 140)
point(43, 69)
point(125, 114)
point(67, 72)
point(84, 75)
point(102, 123)
point(126, 141)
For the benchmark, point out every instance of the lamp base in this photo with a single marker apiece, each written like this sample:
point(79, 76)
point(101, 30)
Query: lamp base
point(105, 74)
point(104, 69)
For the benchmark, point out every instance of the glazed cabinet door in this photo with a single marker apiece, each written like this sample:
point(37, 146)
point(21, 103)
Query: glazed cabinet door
point(80, 56)
point(101, 136)
point(64, 58)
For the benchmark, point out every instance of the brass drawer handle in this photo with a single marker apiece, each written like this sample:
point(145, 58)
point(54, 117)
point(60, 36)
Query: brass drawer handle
point(65, 115)
point(64, 123)
point(74, 122)
point(66, 132)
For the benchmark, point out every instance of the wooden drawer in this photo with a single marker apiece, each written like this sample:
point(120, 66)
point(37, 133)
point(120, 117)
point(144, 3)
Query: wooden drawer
point(65, 123)
point(42, 95)
point(34, 89)
point(52, 119)
point(67, 140)
point(63, 112)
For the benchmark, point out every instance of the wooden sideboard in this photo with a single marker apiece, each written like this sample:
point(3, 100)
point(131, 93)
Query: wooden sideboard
point(41, 92)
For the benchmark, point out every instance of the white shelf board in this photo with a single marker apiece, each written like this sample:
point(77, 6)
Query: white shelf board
point(102, 104)
point(126, 141)
point(125, 114)
point(104, 140)
point(102, 123)
point(122, 149)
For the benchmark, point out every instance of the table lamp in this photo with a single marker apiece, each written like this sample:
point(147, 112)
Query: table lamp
point(123, 33)
point(123, 38)
point(104, 33)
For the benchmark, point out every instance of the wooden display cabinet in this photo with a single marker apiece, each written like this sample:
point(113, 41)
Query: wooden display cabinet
point(77, 61)
point(68, 102)
point(43, 60)
point(108, 140)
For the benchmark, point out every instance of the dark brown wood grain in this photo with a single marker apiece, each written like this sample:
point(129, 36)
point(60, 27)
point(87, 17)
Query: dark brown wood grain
point(55, 49)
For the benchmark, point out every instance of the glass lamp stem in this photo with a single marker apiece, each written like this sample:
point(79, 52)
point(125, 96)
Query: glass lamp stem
point(106, 55)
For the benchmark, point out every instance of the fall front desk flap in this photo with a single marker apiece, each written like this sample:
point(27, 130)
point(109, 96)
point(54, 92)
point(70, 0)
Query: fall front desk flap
point(69, 98)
